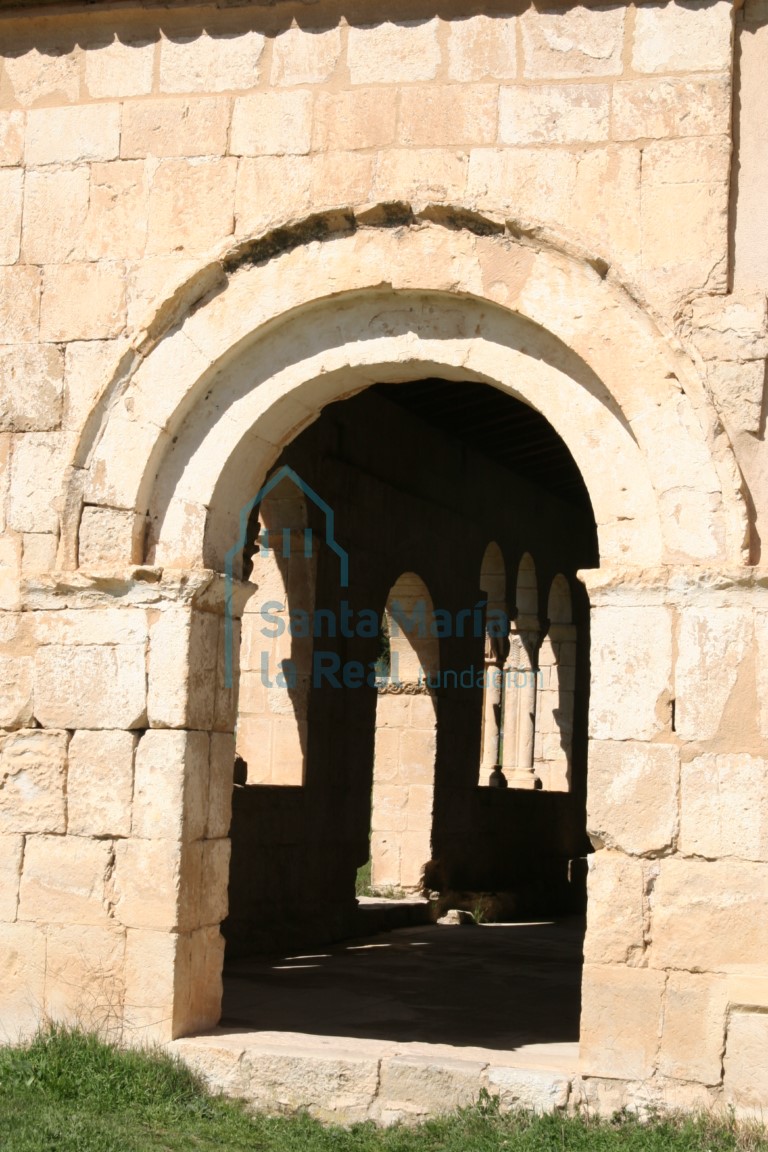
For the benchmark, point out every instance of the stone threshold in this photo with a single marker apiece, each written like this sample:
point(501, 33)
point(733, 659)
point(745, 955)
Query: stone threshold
point(345, 1080)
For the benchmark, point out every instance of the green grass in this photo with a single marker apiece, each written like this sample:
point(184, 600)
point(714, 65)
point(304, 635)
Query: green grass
point(68, 1092)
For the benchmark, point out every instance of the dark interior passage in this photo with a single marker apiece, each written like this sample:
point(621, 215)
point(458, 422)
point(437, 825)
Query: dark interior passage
point(493, 986)
point(421, 489)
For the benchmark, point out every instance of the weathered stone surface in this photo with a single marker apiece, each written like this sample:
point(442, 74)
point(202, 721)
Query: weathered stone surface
point(111, 686)
point(100, 783)
point(632, 800)
point(205, 63)
point(19, 304)
point(364, 118)
point(558, 114)
point(31, 384)
point(272, 124)
point(55, 211)
point(536, 1091)
point(105, 533)
point(746, 1063)
point(654, 109)
point(120, 68)
point(711, 646)
point(36, 463)
point(84, 976)
point(571, 44)
point(45, 77)
point(631, 672)
point(442, 117)
point(175, 127)
point(615, 912)
point(11, 855)
point(72, 135)
point(410, 1089)
point(220, 785)
point(388, 53)
point(682, 38)
point(187, 643)
point(11, 183)
point(147, 883)
point(151, 961)
point(82, 302)
point(191, 205)
point(621, 1020)
point(33, 773)
point(11, 138)
point(421, 174)
point(118, 206)
point(724, 907)
point(338, 1087)
point(694, 1027)
point(64, 880)
point(724, 807)
point(482, 46)
point(22, 979)
point(170, 797)
point(271, 189)
point(305, 56)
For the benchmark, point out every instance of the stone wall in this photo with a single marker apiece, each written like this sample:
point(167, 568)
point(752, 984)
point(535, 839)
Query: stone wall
point(216, 222)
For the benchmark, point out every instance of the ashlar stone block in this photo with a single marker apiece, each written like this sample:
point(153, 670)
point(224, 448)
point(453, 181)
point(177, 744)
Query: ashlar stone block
point(632, 799)
point(621, 1018)
point(31, 387)
point(84, 976)
point(33, 765)
point(73, 135)
point(82, 302)
point(723, 906)
point(91, 686)
point(393, 53)
point(682, 37)
point(170, 798)
point(712, 644)
point(577, 42)
point(175, 127)
point(119, 68)
point(206, 63)
point(724, 807)
point(554, 114)
point(305, 56)
point(11, 138)
point(694, 1027)
point(272, 124)
point(65, 880)
point(11, 183)
point(22, 979)
point(191, 205)
point(481, 47)
point(55, 211)
point(615, 886)
point(100, 783)
point(746, 1063)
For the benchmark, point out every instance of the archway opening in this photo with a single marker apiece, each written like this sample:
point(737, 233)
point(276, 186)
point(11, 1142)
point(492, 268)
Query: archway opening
point(421, 479)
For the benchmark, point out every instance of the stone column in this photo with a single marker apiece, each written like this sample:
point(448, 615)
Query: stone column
point(519, 705)
point(492, 697)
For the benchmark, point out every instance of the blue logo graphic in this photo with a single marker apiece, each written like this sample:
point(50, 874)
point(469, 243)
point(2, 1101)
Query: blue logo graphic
point(284, 473)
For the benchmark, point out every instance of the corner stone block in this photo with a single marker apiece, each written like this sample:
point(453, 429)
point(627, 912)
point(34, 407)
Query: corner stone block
point(170, 796)
point(631, 671)
point(707, 916)
point(183, 656)
point(22, 980)
point(620, 1021)
point(222, 765)
point(91, 686)
point(33, 766)
point(203, 959)
point(615, 885)
point(148, 883)
point(632, 796)
point(746, 1063)
point(100, 783)
point(724, 807)
point(694, 1027)
point(152, 990)
point(65, 880)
